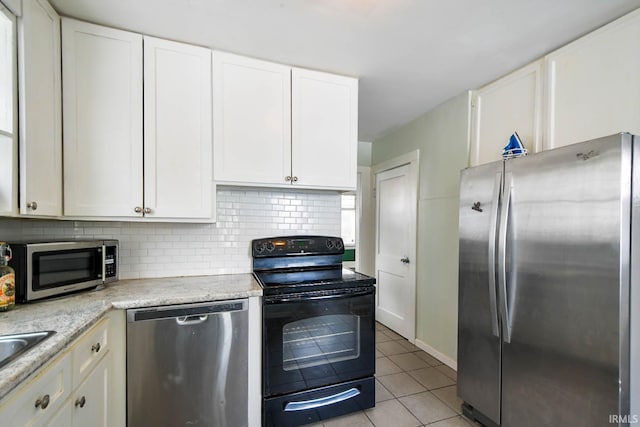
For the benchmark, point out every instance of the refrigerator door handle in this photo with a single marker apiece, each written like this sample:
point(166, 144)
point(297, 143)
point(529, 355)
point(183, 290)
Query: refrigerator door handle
point(502, 260)
point(493, 226)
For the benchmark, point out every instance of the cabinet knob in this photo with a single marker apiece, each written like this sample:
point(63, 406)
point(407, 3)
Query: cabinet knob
point(137, 209)
point(287, 178)
point(32, 205)
point(81, 402)
point(96, 347)
point(42, 402)
point(405, 260)
point(294, 179)
point(147, 210)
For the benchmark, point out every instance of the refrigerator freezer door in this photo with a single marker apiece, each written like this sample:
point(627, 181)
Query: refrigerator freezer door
point(478, 328)
point(565, 256)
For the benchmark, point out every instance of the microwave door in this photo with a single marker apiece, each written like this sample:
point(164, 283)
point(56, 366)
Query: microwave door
point(58, 270)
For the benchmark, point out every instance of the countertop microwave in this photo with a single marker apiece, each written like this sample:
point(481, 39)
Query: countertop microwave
point(48, 269)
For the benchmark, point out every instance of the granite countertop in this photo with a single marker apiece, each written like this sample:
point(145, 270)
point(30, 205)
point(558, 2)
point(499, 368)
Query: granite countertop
point(72, 315)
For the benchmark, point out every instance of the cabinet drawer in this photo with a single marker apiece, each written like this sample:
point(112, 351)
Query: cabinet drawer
point(89, 349)
point(40, 398)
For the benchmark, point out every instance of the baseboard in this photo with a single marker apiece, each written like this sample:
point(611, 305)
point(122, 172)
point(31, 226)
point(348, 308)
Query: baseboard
point(435, 353)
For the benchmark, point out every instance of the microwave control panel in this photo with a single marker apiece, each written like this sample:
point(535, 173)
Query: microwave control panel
point(110, 261)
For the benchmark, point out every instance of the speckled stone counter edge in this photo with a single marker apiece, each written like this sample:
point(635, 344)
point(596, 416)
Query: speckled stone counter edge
point(71, 316)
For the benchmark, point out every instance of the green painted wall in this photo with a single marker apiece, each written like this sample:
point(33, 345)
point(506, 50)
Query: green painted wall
point(442, 136)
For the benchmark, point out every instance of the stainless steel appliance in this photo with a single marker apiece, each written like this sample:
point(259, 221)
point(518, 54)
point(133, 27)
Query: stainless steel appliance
point(318, 357)
point(548, 287)
point(187, 365)
point(47, 269)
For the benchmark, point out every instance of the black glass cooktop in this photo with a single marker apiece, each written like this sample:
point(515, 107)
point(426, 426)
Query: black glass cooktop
point(307, 280)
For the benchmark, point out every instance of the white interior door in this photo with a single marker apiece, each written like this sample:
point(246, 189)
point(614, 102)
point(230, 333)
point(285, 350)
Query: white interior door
point(396, 201)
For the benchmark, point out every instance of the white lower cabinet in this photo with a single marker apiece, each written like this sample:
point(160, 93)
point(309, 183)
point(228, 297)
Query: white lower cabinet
point(90, 402)
point(82, 387)
point(36, 402)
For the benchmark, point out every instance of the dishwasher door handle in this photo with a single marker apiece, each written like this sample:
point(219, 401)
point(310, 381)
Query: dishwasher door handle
point(191, 320)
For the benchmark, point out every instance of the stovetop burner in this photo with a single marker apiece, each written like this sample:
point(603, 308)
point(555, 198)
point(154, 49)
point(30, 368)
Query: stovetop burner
point(300, 263)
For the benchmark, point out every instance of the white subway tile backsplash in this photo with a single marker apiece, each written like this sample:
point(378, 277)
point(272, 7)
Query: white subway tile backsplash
point(165, 249)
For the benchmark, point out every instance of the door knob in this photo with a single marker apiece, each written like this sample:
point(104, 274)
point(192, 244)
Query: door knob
point(404, 260)
point(32, 205)
point(147, 210)
point(137, 209)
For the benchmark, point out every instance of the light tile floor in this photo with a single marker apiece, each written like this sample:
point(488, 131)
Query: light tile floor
point(413, 389)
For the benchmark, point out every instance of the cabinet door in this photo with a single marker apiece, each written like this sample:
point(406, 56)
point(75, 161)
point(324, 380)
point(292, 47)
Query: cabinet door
point(8, 114)
point(40, 109)
point(324, 129)
point(62, 418)
point(90, 401)
point(177, 121)
point(508, 105)
point(593, 89)
point(252, 120)
point(102, 106)
point(38, 401)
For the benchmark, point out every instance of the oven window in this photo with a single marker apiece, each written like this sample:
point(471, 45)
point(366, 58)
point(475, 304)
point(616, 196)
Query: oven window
point(320, 340)
point(64, 267)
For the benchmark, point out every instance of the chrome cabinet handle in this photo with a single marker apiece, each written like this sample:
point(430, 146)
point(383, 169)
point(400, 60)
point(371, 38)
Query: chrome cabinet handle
point(147, 210)
point(32, 205)
point(405, 260)
point(81, 402)
point(137, 209)
point(42, 402)
point(294, 179)
point(95, 348)
point(287, 178)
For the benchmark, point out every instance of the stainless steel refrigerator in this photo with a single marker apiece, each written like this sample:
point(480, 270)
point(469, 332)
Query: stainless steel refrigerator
point(549, 302)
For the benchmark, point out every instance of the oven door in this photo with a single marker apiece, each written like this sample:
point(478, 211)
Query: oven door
point(317, 339)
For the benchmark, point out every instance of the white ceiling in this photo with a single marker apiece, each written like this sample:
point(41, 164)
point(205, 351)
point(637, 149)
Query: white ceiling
point(410, 55)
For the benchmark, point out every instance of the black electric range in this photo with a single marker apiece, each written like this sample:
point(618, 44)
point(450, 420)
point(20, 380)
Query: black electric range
point(318, 330)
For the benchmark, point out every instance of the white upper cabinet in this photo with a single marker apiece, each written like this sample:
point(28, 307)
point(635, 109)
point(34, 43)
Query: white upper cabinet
point(593, 85)
point(278, 126)
point(252, 120)
point(510, 104)
point(8, 114)
point(40, 110)
point(177, 124)
point(324, 129)
point(102, 120)
point(109, 171)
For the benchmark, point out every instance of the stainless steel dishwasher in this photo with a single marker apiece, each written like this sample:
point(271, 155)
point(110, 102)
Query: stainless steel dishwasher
point(187, 365)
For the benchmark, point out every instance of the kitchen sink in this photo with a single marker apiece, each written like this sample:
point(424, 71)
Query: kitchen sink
point(12, 346)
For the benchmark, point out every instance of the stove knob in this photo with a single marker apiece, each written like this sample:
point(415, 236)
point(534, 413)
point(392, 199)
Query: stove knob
point(259, 248)
point(270, 246)
point(330, 244)
point(338, 244)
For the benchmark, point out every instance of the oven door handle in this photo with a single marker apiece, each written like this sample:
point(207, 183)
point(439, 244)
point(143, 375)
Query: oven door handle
point(303, 297)
point(323, 401)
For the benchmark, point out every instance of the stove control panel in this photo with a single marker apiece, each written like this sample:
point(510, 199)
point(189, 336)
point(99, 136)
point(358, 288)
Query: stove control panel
point(296, 245)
